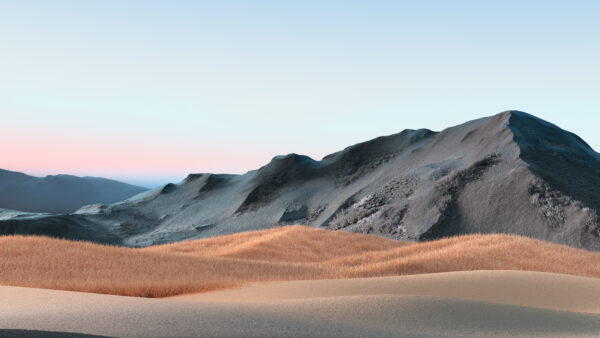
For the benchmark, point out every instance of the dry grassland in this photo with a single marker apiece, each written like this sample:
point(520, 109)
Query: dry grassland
point(288, 253)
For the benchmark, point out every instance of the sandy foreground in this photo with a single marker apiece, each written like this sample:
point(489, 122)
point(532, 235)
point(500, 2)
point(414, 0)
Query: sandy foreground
point(476, 303)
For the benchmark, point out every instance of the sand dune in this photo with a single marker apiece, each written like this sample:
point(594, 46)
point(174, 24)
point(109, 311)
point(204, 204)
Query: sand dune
point(290, 253)
point(365, 307)
point(281, 283)
point(284, 244)
point(522, 288)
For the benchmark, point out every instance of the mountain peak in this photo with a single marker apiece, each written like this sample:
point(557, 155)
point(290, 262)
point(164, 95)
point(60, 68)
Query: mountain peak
point(510, 173)
point(514, 112)
point(287, 167)
point(532, 131)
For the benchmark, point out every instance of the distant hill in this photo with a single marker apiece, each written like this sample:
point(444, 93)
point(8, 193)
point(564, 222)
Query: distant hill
point(508, 173)
point(59, 193)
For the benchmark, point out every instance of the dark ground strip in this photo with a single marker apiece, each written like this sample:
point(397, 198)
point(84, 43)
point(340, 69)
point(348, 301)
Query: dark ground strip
point(40, 334)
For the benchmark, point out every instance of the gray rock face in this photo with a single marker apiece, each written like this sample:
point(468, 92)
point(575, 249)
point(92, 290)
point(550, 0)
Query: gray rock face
point(509, 173)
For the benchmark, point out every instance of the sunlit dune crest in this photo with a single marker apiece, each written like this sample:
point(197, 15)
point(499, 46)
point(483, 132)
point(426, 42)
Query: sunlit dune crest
point(288, 253)
point(294, 244)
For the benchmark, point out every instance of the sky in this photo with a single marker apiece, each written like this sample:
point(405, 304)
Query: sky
point(149, 91)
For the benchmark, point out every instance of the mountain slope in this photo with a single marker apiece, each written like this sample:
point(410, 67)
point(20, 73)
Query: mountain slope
point(59, 193)
point(508, 173)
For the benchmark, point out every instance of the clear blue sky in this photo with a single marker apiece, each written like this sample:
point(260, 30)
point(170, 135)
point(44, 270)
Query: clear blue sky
point(147, 91)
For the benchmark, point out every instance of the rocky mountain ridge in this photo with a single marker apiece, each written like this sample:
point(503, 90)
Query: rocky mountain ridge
point(508, 173)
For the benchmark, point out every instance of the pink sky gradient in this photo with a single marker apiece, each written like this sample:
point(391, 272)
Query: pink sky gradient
point(156, 89)
point(55, 153)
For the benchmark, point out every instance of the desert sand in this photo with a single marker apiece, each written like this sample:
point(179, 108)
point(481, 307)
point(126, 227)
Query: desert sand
point(300, 281)
point(477, 303)
point(522, 288)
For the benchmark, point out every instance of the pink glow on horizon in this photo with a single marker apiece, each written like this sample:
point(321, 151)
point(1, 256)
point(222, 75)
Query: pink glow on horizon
point(54, 154)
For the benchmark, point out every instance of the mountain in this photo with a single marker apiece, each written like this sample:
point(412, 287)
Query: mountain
point(508, 173)
point(59, 193)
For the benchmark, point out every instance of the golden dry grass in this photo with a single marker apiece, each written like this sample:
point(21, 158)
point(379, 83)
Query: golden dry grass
point(289, 253)
point(295, 244)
